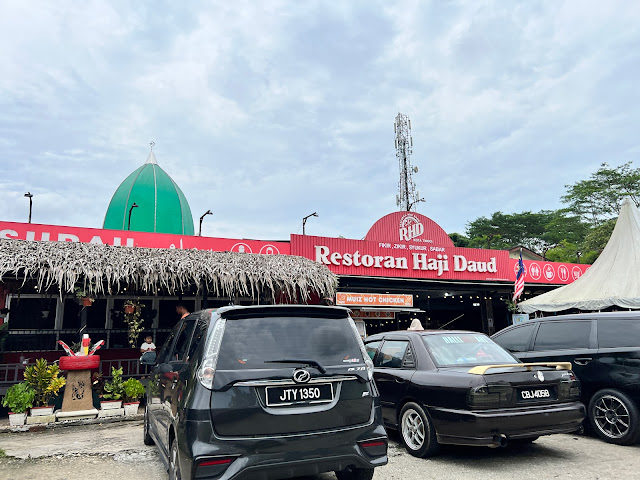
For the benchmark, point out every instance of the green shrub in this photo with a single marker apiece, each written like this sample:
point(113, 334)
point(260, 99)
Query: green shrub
point(44, 380)
point(133, 390)
point(114, 389)
point(19, 397)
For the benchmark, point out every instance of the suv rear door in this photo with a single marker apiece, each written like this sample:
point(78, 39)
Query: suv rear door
point(567, 340)
point(619, 354)
point(254, 392)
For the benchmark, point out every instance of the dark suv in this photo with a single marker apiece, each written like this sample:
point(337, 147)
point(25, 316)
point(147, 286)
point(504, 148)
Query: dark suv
point(265, 392)
point(604, 349)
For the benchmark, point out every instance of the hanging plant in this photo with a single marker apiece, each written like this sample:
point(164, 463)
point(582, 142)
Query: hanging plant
point(134, 321)
point(84, 297)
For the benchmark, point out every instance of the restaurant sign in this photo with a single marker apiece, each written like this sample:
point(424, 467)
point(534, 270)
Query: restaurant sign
point(38, 232)
point(410, 245)
point(374, 299)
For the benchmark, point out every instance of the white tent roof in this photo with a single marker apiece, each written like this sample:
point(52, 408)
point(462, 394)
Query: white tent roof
point(614, 278)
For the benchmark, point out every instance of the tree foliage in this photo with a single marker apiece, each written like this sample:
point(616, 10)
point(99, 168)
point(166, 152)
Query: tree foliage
point(600, 197)
point(577, 233)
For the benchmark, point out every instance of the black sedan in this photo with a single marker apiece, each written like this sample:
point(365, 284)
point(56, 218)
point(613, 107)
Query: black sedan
point(461, 388)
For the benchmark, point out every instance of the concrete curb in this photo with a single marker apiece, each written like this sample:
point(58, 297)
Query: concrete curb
point(71, 423)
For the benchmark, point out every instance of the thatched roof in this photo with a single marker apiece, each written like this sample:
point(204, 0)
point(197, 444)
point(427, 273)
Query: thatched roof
point(104, 269)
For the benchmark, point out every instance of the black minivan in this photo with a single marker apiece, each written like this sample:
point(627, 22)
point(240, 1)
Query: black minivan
point(604, 349)
point(265, 392)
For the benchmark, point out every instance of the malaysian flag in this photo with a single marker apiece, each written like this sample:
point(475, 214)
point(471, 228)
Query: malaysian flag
point(519, 285)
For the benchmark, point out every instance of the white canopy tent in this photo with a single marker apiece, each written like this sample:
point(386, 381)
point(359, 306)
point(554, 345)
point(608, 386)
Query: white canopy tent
point(614, 278)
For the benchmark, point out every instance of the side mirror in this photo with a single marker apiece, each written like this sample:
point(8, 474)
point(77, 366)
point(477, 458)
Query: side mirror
point(148, 358)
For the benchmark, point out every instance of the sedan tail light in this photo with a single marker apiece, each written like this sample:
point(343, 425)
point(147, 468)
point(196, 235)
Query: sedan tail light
point(490, 396)
point(569, 388)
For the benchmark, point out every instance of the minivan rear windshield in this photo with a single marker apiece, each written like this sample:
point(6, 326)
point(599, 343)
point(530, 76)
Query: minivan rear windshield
point(466, 349)
point(249, 343)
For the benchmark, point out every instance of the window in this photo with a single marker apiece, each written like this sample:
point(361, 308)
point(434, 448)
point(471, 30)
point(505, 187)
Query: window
point(184, 335)
point(165, 350)
point(618, 333)
point(517, 339)
point(563, 335)
point(392, 353)
point(258, 342)
point(465, 349)
point(372, 348)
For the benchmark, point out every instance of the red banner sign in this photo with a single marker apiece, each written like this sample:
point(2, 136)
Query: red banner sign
point(548, 272)
point(374, 299)
point(37, 232)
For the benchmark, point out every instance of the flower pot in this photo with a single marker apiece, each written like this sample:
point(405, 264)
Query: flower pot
point(87, 302)
point(129, 309)
point(110, 404)
point(17, 419)
point(40, 411)
point(131, 408)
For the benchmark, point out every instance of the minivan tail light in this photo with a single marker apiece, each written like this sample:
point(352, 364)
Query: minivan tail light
point(207, 369)
point(374, 448)
point(365, 356)
point(219, 461)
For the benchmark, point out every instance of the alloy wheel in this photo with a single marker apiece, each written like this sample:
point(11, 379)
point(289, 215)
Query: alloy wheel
point(413, 429)
point(612, 417)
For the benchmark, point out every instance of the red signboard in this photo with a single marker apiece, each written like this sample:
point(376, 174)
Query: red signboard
point(403, 259)
point(548, 272)
point(37, 232)
point(374, 299)
point(403, 227)
point(410, 260)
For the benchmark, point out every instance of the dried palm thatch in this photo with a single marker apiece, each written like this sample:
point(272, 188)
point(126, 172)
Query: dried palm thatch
point(104, 269)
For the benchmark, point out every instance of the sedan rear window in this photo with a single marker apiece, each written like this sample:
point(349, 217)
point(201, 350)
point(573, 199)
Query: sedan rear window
point(256, 342)
point(466, 349)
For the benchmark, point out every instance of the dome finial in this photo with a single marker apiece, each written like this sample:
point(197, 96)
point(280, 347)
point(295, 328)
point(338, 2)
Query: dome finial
point(151, 158)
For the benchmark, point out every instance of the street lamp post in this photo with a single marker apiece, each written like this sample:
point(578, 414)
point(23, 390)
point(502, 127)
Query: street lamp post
point(208, 212)
point(135, 205)
point(29, 195)
point(304, 220)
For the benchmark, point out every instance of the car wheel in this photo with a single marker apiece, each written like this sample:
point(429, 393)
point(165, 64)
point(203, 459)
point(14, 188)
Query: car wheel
point(417, 432)
point(352, 473)
point(174, 465)
point(147, 438)
point(614, 417)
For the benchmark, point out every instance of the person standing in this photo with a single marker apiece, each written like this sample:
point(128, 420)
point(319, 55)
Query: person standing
point(182, 310)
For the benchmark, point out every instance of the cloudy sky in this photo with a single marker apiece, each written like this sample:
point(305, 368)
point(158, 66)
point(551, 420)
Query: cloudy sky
point(267, 111)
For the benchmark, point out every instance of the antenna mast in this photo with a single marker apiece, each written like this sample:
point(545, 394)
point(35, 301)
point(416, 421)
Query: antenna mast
point(407, 196)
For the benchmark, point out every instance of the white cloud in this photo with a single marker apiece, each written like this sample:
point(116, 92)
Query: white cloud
point(264, 113)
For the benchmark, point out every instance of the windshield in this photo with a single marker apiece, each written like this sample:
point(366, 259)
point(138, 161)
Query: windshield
point(466, 349)
point(250, 342)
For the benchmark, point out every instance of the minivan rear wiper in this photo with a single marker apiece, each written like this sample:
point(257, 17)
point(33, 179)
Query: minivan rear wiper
point(313, 363)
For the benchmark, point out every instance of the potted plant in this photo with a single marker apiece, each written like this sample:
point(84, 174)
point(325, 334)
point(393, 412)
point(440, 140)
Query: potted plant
point(44, 379)
point(113, 391)
point(19, 398)
point(133, 319)
point(85, 298)
point(133, 391)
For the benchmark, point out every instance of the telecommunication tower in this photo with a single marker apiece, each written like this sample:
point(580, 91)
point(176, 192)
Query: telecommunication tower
point(407, 195)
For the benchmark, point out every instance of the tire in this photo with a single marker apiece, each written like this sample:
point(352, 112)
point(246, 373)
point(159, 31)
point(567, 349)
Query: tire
point(614, 417)
point(417, 432)
point(352, 473)
point(174, 465)
point(147, 438)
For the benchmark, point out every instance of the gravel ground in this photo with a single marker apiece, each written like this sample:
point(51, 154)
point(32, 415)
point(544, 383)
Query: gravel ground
point(117, 451)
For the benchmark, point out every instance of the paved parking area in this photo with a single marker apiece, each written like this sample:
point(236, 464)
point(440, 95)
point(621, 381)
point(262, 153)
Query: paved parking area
point(117, 451)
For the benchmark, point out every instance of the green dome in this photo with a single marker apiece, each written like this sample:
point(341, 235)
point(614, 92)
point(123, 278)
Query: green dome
point(162, 207)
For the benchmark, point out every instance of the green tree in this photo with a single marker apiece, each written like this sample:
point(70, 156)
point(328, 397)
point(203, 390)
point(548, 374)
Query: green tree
point(600, 197)
point(459, 240)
